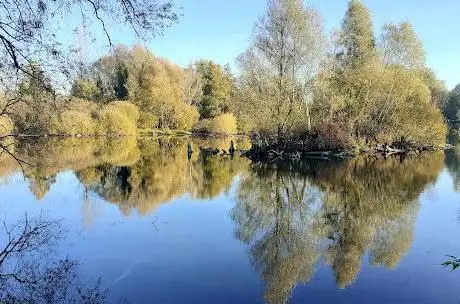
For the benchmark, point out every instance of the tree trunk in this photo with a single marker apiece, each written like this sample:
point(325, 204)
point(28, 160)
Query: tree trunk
point(307, 110)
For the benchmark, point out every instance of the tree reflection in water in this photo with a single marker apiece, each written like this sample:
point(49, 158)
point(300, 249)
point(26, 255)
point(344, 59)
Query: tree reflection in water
point(280, 206)
point(453, 166)
point(161, 174)
point(291, 216)
point(135, 174)
point(28, 275)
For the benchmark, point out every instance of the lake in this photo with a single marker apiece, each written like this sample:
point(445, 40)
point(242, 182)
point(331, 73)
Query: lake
point(139, 221)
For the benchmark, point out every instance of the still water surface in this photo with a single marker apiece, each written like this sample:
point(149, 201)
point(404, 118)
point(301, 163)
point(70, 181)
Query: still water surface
point(158, 227)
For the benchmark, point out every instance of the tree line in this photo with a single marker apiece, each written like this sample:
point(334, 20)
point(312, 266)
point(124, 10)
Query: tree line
point(350, 89)
point(122, 92)
point(293, 84)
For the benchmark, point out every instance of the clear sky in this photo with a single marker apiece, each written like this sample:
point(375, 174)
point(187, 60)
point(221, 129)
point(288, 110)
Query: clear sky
point(221, 29)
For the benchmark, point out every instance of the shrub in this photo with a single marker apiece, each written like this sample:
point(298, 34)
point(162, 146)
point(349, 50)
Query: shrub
point(114, 122)
point(185, 117)
point(147, 120)
point(380, 104)
point(222, 124)
point(203, 126)
point(126, 108)
point(73, 122)
point(85, 89)
point(81, 105)
point(329, 137)
point(6, 126)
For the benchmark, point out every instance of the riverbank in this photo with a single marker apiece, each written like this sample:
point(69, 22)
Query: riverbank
point(266, 153)
point(141, 132)
point(276, 153)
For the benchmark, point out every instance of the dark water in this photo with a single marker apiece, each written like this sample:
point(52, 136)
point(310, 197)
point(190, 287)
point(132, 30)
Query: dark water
point(157, 227)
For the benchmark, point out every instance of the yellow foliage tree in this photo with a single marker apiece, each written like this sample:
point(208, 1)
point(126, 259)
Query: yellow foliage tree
point(73, 122)
point(113, 122)
point(6, 126)
point(156, 86)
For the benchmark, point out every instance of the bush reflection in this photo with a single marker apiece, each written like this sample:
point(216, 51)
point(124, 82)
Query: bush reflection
point(291, 216)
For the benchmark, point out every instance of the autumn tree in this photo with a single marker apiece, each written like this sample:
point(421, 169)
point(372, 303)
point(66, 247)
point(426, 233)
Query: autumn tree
point(400, 45)
point(155, 85)
point(110, 75)
point(216, 89)
point(37, 96)
point(85, 89)
point(28, 32)
point(375, 100)
point(193, 85)
point(281, 62)
point(437, 87)
point(345, 87)
point(357, 37)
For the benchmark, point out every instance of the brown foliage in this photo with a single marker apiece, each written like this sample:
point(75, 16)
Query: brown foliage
point(322, 137)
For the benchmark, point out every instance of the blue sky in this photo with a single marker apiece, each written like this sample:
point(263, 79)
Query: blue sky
point(221, 29)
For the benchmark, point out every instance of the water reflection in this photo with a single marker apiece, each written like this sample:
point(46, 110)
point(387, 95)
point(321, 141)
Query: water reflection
point(134, 174)
point(453, 166)
point(28, 275)
point(292, 217)
point(162, 174)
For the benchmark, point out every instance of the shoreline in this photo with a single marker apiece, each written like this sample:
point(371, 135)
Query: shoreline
point(142, 133)
point(267, 154)
point(273, 154)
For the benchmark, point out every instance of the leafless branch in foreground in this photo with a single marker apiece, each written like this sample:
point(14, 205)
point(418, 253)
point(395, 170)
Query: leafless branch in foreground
point(27, 275)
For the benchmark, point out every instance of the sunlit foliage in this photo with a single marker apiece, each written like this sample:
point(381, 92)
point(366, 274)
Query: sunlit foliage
point(356, 40)
point(85, 89)
point(6, 126)
point(87, 118)
point(378, 105)
point(401, 46)
point(113, 122)
point(73, 122)
point(154, 84)
point(216, 89)
point(375, 101)
point(369, 89)
point(222, 124)
point(277, 69)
